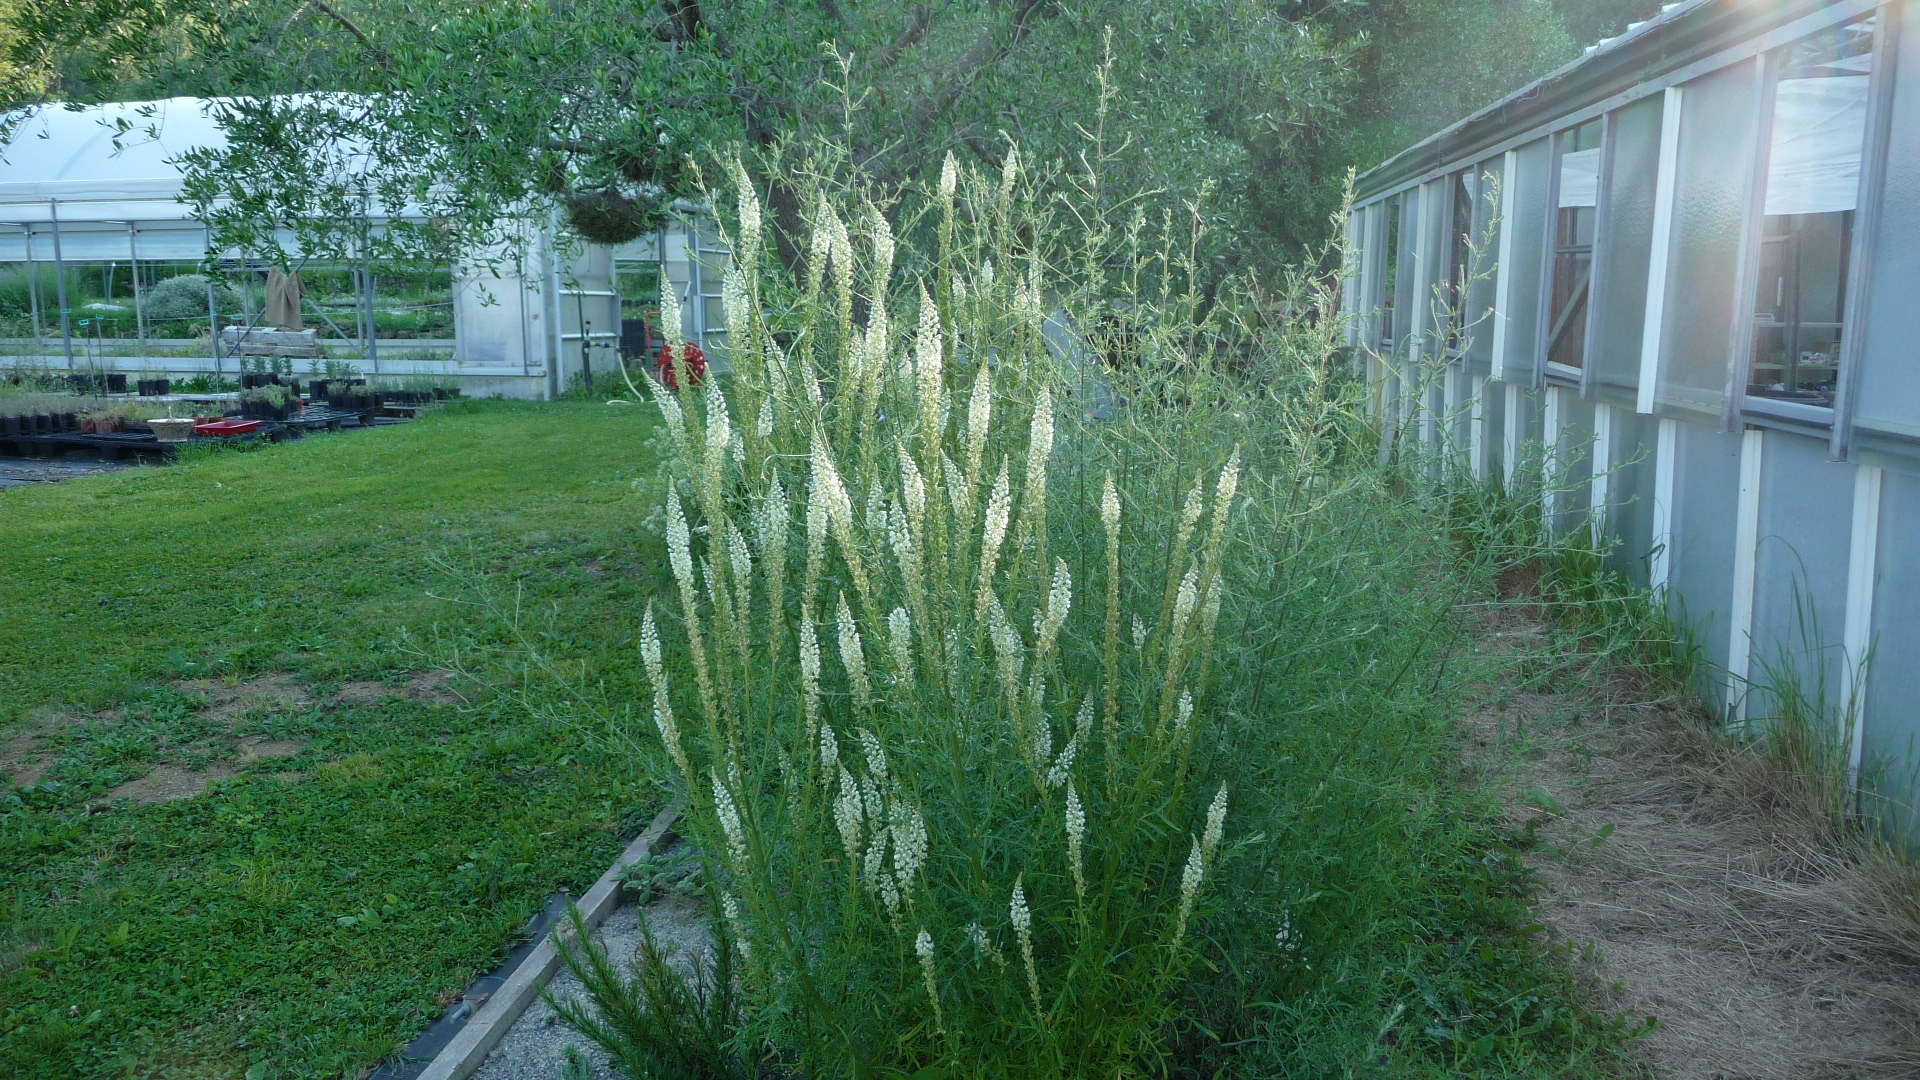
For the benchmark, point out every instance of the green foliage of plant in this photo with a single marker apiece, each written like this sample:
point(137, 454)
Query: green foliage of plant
point(1129, 746)
point(305, 914)
point(16, 289)
point(185, 297)
point(205, 384)
point(274, 396)
point(662, 1023)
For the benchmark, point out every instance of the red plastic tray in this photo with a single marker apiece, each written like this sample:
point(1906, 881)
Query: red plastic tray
point(226, 427)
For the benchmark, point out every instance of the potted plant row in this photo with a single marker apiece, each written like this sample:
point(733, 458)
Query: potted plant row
point(103, 382)
point(268, 402)
point(353, 399)
point(108, 421)
point(31, 424)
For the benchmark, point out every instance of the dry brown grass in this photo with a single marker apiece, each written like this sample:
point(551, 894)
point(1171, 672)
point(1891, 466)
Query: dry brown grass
point(1771, 941)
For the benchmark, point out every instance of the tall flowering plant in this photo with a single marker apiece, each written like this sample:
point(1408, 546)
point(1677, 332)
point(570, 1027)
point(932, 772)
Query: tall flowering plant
point(937, 726)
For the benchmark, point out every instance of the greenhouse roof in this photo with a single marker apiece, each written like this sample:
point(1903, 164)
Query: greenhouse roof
point(123, 150)
point(1683, 40)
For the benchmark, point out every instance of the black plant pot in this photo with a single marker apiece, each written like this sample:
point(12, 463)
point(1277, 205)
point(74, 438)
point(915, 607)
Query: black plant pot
point(116, 382)
point(439, 393)
point(162, 387)
point(66, 421)
point(9, 427)
point(318, 388)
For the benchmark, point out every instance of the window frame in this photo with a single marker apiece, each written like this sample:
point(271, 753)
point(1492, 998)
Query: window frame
point(1744, 408)
point(1547, 371)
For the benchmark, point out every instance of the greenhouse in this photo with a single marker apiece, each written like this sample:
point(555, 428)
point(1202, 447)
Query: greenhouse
point(1703, 366)
point(103, 265)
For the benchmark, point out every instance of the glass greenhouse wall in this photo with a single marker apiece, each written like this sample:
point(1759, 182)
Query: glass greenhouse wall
point(102, 264)
point(1699, 252)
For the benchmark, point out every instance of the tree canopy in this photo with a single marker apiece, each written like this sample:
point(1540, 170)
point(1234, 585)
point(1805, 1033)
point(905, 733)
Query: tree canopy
point(603, 110)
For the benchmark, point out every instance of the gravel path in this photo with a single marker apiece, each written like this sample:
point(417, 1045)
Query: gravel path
point(537, 1046)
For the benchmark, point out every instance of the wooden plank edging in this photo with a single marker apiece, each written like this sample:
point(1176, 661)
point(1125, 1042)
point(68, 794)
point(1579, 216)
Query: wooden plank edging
point(468, 1048)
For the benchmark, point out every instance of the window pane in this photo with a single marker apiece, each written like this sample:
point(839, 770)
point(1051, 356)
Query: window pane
point(1526, 214)
point(1485, 229)
point(1578, 162)
point(1460, 241)
point(1885, 395)
point(1620, 286)
point(1718, 130)
point(1813, 179)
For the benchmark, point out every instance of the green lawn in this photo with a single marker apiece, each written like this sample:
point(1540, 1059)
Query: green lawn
point(310, 911)
point(265, 621)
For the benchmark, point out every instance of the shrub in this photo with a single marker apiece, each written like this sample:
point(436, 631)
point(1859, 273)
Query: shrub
point(185, 297)
point(1130, 748)
point(968, 829)
point(16, 296)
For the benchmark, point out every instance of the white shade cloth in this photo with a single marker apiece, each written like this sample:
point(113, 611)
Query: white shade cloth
point(1819, 133)
point(1580, 178)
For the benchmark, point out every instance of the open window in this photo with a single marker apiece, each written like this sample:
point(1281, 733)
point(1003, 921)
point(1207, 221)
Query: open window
point(1389, 275)
point(1812, 185)
point(1460, 249)
point(1577, 194)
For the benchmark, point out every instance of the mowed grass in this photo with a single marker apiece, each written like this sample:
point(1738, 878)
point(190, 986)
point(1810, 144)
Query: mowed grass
point(308, 913)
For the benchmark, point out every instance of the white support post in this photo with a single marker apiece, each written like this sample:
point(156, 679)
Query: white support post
point(1862, 567)
point(1510, 437)
point(1502, 279)
point(1550, 457)
point(1665, 459)
point(1424, 340)
point(1477, 430)
point(1599, 488)
point(1746, 559)
point(1653, 329)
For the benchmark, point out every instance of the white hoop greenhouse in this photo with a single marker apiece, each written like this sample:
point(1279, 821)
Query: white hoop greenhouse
point(92, 224)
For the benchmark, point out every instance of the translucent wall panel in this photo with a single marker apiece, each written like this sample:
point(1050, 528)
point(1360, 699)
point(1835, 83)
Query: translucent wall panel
point(1800, 583)
point(1886, 397)
point(1379, 272)
point(1431, 254)
point(1483, 263)
point(1717, 142)
point(1404, 299)
point(1576, 460)
point(1630, 494)
point(1493, 412)
point(1526, 221)
point(1620, 264)
point(1891, 751)
point(1519, 431)
point(1706, 499)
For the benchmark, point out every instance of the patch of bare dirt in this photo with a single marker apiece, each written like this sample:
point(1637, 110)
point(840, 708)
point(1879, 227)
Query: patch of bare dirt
point(252, 750)
point(20, 759)
point(230, 701)
point(362, 692)
point(24, 771)
point(427, 687)
point(432, 688)
point(1713, 893)
point(167, 783)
